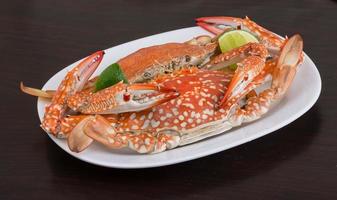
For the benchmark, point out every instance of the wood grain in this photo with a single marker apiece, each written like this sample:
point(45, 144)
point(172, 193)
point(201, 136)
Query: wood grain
point(40, 37)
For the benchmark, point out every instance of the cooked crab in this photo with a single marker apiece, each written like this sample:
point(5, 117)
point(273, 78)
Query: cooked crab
point(206, 104)
point(172, 109)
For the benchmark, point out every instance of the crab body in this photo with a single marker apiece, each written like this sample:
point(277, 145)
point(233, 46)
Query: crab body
point(199, 94)
point(146, 63)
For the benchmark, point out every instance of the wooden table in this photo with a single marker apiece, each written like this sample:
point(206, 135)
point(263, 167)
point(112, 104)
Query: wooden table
point(39, 38)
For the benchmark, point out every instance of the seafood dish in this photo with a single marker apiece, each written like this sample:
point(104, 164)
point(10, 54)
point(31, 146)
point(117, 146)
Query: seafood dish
point(174, 94)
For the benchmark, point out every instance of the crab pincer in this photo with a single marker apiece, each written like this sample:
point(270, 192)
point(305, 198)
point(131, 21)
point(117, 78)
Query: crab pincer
point(283, 73)
point(74, 81)
point(218, 24)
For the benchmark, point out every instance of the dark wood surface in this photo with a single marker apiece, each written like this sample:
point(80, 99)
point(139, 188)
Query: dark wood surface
point(38, 38)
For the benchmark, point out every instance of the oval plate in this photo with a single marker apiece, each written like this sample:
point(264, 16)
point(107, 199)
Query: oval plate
point(297, 101)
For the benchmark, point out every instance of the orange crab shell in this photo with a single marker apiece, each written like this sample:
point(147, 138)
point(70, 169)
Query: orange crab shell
point(147, 58)
point(200, 92)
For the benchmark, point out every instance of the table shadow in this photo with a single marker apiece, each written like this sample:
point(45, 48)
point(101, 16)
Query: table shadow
point(198, 176)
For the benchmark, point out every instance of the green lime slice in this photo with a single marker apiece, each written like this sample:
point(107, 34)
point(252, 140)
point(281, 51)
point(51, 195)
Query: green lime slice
point(234, 39)
point(110, 76)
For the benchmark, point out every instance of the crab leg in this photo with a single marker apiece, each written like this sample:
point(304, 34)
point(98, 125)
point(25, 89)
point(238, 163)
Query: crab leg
point(100, 130)
point(37, 92)
point(73, 82)
point(50, 93)
point(283, 75)
point(121, 98)
point(236, 55)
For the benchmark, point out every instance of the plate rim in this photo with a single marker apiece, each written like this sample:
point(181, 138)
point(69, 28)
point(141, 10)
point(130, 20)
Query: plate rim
point(204, 153)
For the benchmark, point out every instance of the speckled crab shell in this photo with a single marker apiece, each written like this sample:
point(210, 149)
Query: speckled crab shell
point(200, 92)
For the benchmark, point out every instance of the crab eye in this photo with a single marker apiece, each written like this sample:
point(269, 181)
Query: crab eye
point(245, 78)
point(126, 96)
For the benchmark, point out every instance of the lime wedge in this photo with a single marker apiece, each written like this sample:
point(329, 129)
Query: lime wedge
point(110, 76)
point(234, 39)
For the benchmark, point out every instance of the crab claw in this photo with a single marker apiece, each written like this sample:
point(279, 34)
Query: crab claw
point(285, 71)
point(218, 24)
point(247, 70)
point(121, 98)
point(253, 70)
point(74, 81)
point(209, 27)
point(77, 139)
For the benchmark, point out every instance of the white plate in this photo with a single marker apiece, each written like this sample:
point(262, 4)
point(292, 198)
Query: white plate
point(298, 100)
